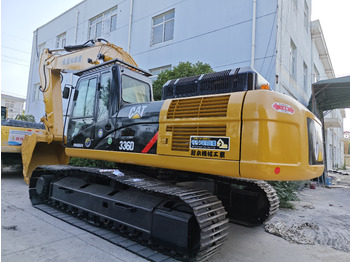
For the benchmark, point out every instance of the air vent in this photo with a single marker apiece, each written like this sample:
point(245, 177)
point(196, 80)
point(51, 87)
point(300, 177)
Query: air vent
point(214, 106)
point(181, 135)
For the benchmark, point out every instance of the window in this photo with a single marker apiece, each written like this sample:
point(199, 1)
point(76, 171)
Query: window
point(36, 92)
point(158, 70)
point(135, 91)
point(61, 40)
point(305, 76)
point(103, 23)
point(10, 104)
point(293, 59)
point(103, 100)
point(163, 27)
point(306, 16)
point(85, 102)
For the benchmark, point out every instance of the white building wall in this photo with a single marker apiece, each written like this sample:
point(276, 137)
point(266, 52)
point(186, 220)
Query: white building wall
point(334, 138)
point(14, 105)
point(320, 74)
point(291, 27)
point(218, 34)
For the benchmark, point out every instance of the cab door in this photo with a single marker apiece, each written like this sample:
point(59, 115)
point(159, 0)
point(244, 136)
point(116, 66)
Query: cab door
point(105, 123)
point(81, 125)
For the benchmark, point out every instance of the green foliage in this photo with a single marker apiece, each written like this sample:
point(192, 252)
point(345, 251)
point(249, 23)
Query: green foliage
point(74, 161)
point(286, 191)
point(29, 118)
point(183, 69)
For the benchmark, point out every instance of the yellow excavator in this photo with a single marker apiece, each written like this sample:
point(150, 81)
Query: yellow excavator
point(187, 165)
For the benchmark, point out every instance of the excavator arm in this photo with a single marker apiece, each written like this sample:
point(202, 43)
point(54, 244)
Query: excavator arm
point(47, 148)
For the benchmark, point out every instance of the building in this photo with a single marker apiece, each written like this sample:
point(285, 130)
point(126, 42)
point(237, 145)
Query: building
point(334, 134)
point(14, 104)
point(276, 37)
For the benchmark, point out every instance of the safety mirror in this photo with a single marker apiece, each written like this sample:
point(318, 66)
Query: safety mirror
point(66, 91)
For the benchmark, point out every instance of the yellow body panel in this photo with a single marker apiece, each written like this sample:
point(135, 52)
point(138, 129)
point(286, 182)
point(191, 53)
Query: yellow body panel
point(200, 165)
point(15, 135)
point(41, 150)
point(270, 144)
point(273, 139)
point(231, 122)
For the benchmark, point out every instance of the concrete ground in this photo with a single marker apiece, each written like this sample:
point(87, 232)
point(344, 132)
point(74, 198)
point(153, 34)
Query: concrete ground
point(28, 234)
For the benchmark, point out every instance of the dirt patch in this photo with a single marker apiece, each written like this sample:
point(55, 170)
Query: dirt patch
point(300, 234)
point(321, 217)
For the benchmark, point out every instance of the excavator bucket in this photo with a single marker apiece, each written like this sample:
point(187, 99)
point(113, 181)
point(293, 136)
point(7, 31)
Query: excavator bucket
point(39, 150)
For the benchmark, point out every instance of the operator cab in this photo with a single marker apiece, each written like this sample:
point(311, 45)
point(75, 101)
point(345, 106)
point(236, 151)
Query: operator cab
point(101, 92)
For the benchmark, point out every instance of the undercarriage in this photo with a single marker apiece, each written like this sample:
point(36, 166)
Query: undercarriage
point(187, 220)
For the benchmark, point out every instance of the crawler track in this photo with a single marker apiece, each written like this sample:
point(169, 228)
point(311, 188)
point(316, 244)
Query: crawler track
point(206, 208)
point(251, 202)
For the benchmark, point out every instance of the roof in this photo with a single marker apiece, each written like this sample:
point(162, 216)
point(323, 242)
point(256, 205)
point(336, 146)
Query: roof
point(320, 43)
point(332, 93)
point(12, 97)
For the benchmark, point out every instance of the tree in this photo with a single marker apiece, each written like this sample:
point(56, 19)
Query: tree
point(29, 118)
point(183, 69)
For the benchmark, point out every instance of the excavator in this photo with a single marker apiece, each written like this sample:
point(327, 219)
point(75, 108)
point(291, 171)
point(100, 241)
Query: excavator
point(187, 165)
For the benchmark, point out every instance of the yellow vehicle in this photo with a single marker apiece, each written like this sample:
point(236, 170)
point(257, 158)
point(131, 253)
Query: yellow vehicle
point(187, 164)
point(12, 135)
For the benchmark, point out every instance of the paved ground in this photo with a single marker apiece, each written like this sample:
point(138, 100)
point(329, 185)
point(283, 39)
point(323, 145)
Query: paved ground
point(28, 234)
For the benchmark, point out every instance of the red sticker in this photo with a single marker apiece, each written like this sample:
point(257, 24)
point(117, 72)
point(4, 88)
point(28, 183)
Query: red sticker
point(283, 108)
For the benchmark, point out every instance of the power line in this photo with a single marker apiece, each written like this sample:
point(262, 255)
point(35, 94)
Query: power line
point(16, 36)
point(14, 63)
point(16, 49)
point(206, 33)
point(15, 58)
point(268, 45)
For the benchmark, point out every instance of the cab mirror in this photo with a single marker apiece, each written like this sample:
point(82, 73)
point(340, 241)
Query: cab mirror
point(66, 91)
point(75, 95)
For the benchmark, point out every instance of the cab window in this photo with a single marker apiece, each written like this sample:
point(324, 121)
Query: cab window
point(104, 95)
point(135, 91)
point(84, 106)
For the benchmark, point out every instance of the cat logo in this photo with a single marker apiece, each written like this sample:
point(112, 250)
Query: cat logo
point(137, 112)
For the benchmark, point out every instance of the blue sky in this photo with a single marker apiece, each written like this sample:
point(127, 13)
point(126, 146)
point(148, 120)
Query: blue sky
point(19, 18)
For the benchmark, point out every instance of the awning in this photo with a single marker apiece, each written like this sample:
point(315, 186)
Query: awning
point(331, 93)
point(327, 95)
